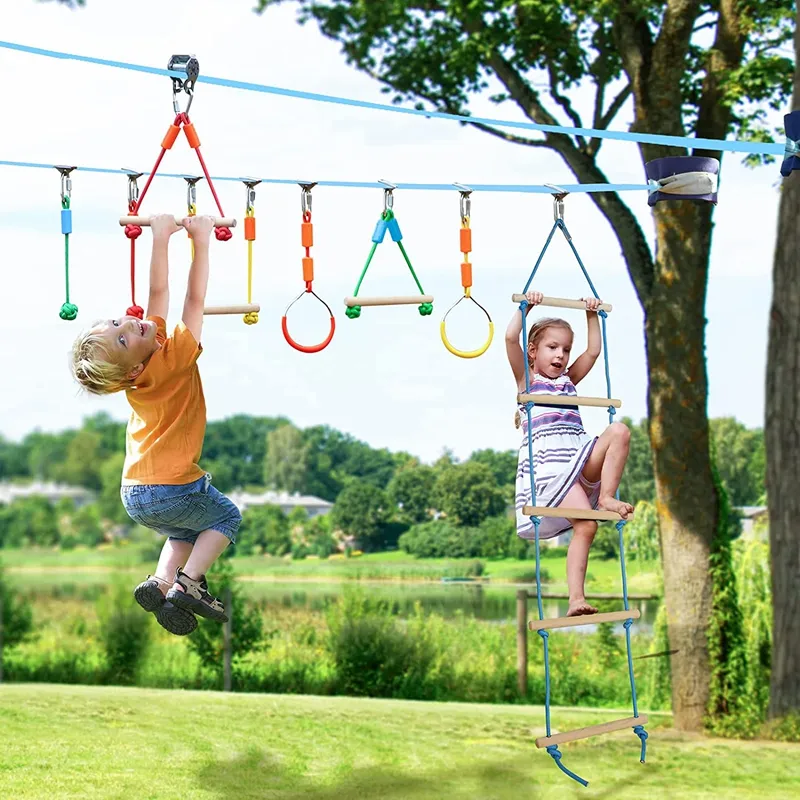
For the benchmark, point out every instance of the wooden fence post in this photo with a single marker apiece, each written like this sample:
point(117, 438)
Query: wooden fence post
point(228, 628)
point(522, 642)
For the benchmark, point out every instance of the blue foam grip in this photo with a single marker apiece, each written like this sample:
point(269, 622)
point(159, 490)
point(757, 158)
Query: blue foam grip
point(660, 168)
point(394, 230)
point(380, 231)
point(791, 162)
point(66, 220)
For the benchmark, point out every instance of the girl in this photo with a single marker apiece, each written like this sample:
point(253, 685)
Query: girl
point(571, 468)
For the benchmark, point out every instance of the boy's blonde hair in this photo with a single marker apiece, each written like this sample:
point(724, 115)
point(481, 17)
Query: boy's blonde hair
point(535, 335)
point(94, 368)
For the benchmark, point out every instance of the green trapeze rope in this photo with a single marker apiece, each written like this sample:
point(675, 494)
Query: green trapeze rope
point(69, 311)
point(387, 222)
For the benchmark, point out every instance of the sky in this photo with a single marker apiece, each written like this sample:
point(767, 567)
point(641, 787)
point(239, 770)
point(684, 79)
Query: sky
point(386, 379)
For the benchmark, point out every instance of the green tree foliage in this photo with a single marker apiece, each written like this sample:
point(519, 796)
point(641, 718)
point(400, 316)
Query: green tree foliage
point(502, 463)
point(333, 457)
point(641, 533)
point(753, 580)
point(285, 461)
point(741, 460)
point(361, 510)
point(234, 449)
point(411, 490)
point(83, 461)
point(265, 528)
point(467, 494)
point(728, 708)
point(495, 537)
point(28, 521)
point(247, 625)
point(108, 498)
point(13, 459)
point(84, 526)
point(637, 482)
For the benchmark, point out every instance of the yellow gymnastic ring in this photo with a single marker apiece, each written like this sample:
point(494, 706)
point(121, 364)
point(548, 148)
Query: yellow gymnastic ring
point(467, 353)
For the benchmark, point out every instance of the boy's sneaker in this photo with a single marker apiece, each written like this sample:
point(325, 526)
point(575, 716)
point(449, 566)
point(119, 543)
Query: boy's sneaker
point(176, 620)
point(195, 597)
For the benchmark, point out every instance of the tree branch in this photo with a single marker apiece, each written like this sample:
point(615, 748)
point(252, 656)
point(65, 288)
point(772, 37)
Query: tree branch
point(714, 114)
point(565, 103)
point(509, 137)
point(606, 119)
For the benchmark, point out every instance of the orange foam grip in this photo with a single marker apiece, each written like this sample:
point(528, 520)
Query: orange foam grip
point(250, 229)
point(466, 274)
point(307, 234)
point(191, 136)
point(466, 240)
point(308, 269)
point(172, 135)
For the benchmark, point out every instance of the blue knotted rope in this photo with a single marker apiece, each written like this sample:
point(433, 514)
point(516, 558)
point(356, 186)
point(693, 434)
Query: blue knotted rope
point(552, 750)
point(639, 730)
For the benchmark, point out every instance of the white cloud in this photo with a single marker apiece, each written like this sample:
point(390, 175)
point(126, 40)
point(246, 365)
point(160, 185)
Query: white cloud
point(386, 378)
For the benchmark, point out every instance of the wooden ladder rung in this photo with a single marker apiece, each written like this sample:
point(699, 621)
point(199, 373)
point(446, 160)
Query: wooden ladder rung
point(565, 400)
point(584, 619)
point(572, 513)
point(561, 302)
point(592, 730)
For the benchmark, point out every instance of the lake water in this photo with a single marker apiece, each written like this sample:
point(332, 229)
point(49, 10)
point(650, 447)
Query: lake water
point(491, 603)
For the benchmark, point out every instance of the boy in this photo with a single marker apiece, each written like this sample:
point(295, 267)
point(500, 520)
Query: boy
point(163, 487)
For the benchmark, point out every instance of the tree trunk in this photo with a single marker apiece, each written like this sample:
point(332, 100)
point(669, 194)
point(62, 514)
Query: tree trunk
point(782, 437)
point(673, 296)
point(677, 397)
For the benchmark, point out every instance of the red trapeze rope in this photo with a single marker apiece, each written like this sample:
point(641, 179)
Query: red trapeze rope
point(133, 232)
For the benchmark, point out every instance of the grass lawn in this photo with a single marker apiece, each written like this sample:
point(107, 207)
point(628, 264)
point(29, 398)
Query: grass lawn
point(41, 566)
point(73, 742)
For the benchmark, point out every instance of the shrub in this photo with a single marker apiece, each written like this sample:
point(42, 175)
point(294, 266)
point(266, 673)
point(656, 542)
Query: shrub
point(374, 656)
point(784, 729)
point(247, 623)
point(17, 614)
point(124, 633)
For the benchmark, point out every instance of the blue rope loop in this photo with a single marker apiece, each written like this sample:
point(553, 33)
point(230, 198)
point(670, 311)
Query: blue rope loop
point(552, 750)
point(642, 734)
point(544, 633)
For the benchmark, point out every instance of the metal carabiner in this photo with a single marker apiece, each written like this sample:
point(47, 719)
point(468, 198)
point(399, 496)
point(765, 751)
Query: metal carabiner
point(133, 186)
point(250, 184)
point(305, 196)
point(66, 182)
point(388, 197)
point(190, 66)
point(558, 201)
point(191, 189)
point(465, 204)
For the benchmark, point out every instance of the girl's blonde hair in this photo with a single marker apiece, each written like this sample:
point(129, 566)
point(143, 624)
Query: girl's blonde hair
point(535, 336)
point(93, 366)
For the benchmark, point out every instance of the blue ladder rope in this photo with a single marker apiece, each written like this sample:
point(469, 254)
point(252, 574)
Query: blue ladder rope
point(639, 730)
point(625, 136)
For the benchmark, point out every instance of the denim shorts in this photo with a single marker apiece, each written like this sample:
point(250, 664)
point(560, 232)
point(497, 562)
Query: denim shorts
point(184, 511)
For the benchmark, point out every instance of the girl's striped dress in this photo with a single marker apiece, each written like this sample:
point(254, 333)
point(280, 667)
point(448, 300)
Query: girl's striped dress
point(560, 449)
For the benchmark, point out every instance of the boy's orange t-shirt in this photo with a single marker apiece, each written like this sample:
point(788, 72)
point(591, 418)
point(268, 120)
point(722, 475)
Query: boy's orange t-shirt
point(167, 425)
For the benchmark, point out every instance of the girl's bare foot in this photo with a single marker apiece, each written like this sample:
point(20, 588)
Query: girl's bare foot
point(617, 506)
point(578, 608)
